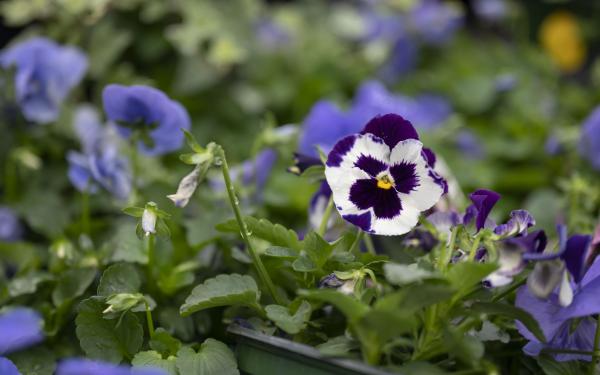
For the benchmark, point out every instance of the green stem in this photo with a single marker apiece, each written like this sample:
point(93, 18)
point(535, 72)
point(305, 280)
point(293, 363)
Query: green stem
point(369, 244)
point(150, 265)
point(446, 251)
point(149, 320)
point(85, 212)
point(508, 291)
point(596, 343)
point(356, 244)
point(326, 216)
point(474, 247)
point(134, 169)
point(235, 205)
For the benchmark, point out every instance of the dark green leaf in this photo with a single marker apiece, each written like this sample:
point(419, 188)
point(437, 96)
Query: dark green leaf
point(223, 290)
point(119, 278)
point(464, 347)
point(552, 367)
point(338, 346)
point(72, 284)
point(164, 343)
point(314, 173)
point(151, 358)
point(401, 274)
point(281, 252)
point(465, 275)
point(349, 306)
point(213, 358)
point(317, 249)
point(27, 284)
point(34, 361)
point(498, 308)
point(303, 264)
point(413, 298)
point(289, 323)
point(276, 234)
point(133, 211)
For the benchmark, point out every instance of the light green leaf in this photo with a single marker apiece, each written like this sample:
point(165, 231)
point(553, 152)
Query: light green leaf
point(465, 275)
point(27, 284)
point(213, 358)
point(466, 348)
point(276, 234)
point(349, 306)
point(314, 173)
point(402, 274)
point(281, 252)
point(513, 312)
point(107, 339)
point(337, 346)
point(164, 343)
point(191, 141)
point(152, 358)
point(125, 245)
point(223, 290)
point(412, 299)
point(317, 249)
point(291, 324)
point(304, 264)
point(119, 278)
point(72, 284)
point(134, 211)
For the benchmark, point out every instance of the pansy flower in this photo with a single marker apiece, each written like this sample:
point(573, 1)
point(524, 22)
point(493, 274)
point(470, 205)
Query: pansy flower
point(45, 74)
point(380, 178)
point(10, 227)
point(589, 143)
point(20, 328)
point(566, 327)
point(149, 115)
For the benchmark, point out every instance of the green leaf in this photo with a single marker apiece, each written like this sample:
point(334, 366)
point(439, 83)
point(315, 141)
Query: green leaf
point(178, 277)
point(164, 343)
point(123, 302)
point(304, 264)
point(119, 278)
point(464, 347)
point(413, 298)
point(291, 324)
point(337, 346)
point(317, 249)
point(465, 275)
point(349, 306)
point(191, 141)
point(126, 247)
point(513, 312)
point(133, 211)
point(28, 283)
point(276, 234)
point(552, 367)
point(152, 358)
point(314, 174)
point(402, 274)
point(109, 340)
point(281, 252)
point(213, 358)
point(223, 290)
point(34, 361)
point(72, 284)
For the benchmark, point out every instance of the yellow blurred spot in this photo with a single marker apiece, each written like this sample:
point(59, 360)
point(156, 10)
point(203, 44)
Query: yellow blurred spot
point(384, 183)
point(560, 36)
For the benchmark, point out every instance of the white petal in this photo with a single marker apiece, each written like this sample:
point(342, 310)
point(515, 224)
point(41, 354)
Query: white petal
point(565, 293)
point(149, 221)
point(427, 193)
point(401, 224)
point(340, 181)
point(408, 150)
point(368, 145)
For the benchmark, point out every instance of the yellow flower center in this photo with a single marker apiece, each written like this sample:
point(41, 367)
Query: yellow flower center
point(384, 183)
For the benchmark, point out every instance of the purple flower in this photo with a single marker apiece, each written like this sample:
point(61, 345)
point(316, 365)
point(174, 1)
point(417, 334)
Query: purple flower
point(553, 145)
point(401, 60)
point(45, 74)
point(7, 367)
point(556, 319)
point(271, 35)
point(147, 114)
point(21, 328)
point(80, 366)
point(469, 144)
point(318, 205)
point(435, 21)
point(519, 222)
point(325, 125)
point(589, 143)
point(483, 202)
point(490, 10)
point(10, 227)
point(100, 164)
point(380, 178)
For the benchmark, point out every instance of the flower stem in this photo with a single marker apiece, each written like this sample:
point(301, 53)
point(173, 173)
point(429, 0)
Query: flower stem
point(596, 344)
point(149, 320)
point(508, 291)
point(446, 251)
point(474, 247)
point(356, 244)
point(235, 205)
point(85, 212)
point(326, 216)
point(150, 265)
point(369, 244)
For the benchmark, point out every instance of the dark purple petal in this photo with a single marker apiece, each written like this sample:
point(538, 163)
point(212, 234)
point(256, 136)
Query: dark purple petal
point(405, 177)
point(385, 202)
point(582, 339)
point(576, 254)
point(341, 148)
point(370, 165)
point(330, 281)
point(429, 156)
point(439, 180)
point(484, 201)
point(363, 221)
point(391, 128)
point(20, 328)
point(519, 222)
point(533, 244)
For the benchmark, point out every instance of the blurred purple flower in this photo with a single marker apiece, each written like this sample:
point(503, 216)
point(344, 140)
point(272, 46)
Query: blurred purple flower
point(7, 367)
point(589, 143)
point(10, 227)
point(519, 222)
point(45, 74)
point(21, 328)
point(483, 202)
point(556, 319)
point(435, 21)
point(144, 110)
point(505, 82)
point(401, 60)
point(270, 34)
point(318, 205)
point(80, 366)
point(490, 10)
point(100, 164)
point(469, 144)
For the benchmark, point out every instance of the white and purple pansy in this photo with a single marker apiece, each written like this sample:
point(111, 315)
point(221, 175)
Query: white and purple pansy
point(381, 179)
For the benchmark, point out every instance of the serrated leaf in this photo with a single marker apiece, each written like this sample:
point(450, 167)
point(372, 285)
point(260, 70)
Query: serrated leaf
point(223, 290)
point(304, 264)
point(281, 252)
point(154, 359)
point(498, 308)
point(402, 274)
point(119, 278)
point(464, 276)
point(317, 249)
point(289, 323)
point(164, 343)
point(276, 234)
point(72, 284)
point(349, 306)
point(107, 339)
point(213, 358)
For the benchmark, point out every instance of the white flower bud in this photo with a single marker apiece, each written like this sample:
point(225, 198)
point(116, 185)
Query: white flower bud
point(149, 221)
point(186, 188)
